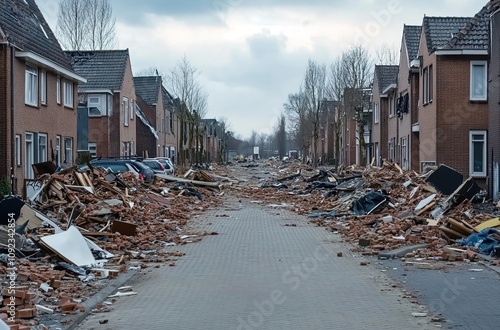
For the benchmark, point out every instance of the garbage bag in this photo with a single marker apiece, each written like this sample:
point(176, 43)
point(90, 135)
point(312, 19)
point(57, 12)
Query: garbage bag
point(484, 241)
point(369, 203)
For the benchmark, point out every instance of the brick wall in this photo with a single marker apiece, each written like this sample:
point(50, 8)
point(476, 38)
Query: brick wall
point(456, 114)
point(145, 139)
point(494, 101)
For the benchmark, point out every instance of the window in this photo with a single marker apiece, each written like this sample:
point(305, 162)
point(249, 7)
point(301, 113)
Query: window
point(376, 113)
point(58, 151)
point(478, 83)
point(125, 111)
point(42, 148)
point(68, 151)
point(58, 90)
point(404, 153)
point(427, 84)
point(132, 109)
point(392, 149)
point(18, 150)
point(43, 87)
point(31, 86)
point(68, 94)
point(29, 157)
point(94, 105)
point(392, 105)
point(477, 153)
point(93, 149)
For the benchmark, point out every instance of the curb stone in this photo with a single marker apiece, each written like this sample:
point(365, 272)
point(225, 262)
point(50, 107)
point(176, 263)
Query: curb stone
point(399, 252)
point(98, 298)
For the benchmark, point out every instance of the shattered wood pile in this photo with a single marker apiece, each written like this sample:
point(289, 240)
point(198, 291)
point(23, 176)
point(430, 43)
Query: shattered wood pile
point(81, 228)
point(380, 209)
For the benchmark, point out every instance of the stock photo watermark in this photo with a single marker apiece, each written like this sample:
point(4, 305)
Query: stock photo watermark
point(381, 19)
point(293, 277)
point(11, 266)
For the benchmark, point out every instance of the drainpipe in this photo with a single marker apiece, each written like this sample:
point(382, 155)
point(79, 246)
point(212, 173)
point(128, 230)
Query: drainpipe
point(12, 133)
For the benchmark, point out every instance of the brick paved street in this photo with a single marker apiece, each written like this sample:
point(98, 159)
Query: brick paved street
point(267, 269)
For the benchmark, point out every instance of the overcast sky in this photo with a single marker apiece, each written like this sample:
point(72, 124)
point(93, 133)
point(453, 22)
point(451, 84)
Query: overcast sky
point(253, 53)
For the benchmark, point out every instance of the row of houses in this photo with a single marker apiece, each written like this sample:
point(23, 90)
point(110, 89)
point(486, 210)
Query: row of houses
point(439, 105)
point(56, 105)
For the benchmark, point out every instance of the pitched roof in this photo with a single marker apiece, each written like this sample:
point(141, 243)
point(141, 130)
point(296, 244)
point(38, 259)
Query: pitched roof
point(475, 34)
point(411, 34)
point(386, 75)
point(103, 69)
point(148, 88)
point(23, 25)
point(440, 30)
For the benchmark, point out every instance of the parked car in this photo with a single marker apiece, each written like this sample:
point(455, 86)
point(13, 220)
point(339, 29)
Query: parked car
point(157, 166)
point(168, 160)
point(115, 167)
point(145, 173)
point(168, 168)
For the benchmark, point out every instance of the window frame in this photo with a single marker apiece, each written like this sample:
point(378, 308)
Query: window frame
point(58, 90)
point(68, 94)
point(125, 112)
point(42, 147)
point(58, 150)
point(484, 96)
point(68, 151)
point(473, 173)
point(98, 97)
point(376, 113)
point(43, 87)
point(18, 150)
point(31, 86)
point(427, 85)
point(92, 149)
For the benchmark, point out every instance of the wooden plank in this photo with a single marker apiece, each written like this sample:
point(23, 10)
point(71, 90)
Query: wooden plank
point(97, 233)
point(458, 226)
point(426, 208)
point(452, 233)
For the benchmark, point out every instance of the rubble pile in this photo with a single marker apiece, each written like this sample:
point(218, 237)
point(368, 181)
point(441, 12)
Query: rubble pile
point(80, 228)
point(384, 208)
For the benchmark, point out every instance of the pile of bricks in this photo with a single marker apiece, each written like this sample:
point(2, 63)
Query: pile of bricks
point(149, 215)
point(399, 223)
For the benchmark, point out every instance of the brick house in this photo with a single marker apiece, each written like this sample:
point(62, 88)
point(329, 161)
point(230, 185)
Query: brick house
point(406, 115)
point(158, 107)
point(357, 106)
point(384, 83)
point(494, 103)
point(453, 109)
point(106, 102)
point(38, 94)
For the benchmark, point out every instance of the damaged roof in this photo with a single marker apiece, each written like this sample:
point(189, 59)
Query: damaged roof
point(386, 75)
point(411, 34)
point(103, 69)
point(475, 34)
point(440, 30)
point(23, 25)
point(148, 87)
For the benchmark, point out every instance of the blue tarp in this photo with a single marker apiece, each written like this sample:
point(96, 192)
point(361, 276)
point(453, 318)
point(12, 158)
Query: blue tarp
point(484, 241)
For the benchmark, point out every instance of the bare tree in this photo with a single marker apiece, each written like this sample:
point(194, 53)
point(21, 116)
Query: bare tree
point(298, 121)
point(183, 82)
point(86, 25)
point(280, 135)
point(72, 27)
point(348, 75)
point(314, 93)
point(101, 25)
point(387, 54)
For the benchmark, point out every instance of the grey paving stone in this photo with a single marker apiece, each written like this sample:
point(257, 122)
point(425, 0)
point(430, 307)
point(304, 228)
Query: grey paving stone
point(261, 273)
